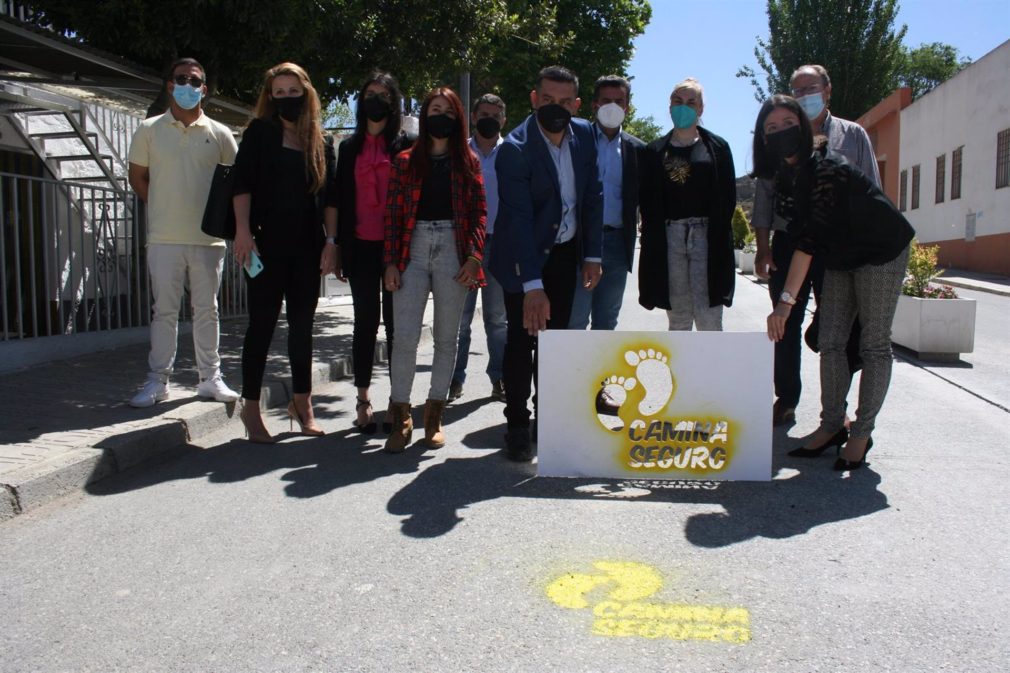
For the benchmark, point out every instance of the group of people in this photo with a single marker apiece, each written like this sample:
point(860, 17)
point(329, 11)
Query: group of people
point(543, 223)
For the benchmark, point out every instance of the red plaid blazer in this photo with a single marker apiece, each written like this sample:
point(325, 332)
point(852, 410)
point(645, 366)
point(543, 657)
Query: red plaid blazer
point(469, 213)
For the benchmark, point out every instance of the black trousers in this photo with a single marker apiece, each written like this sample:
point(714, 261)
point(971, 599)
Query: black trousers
point(363, 268)
point(788, 351)
point(520, 361)
point(293, 279)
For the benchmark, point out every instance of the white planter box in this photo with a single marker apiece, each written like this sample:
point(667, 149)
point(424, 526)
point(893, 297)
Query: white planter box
point(745, 262)
point(936, 329)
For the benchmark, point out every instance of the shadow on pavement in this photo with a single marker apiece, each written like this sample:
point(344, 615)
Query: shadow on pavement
point(815, 495)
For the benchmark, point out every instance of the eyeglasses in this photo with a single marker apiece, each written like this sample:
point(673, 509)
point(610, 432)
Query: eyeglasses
point(384, 96)
point(192, 80)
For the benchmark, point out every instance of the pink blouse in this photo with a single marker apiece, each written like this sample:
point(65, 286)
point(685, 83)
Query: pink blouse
point(371, 177)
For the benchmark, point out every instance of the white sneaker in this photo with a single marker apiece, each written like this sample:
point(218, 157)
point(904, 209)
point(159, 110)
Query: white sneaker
point(152, 392)
point(215, 389)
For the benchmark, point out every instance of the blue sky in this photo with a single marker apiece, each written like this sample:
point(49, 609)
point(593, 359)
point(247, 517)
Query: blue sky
point(711, 39)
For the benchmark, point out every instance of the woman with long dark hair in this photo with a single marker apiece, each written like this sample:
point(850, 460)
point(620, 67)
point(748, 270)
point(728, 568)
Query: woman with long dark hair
point(280, 175)
point(835, 211)
point(356, 207)
point(434, 244)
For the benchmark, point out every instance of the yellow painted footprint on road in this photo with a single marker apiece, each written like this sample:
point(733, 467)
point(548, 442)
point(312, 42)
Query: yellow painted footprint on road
point(623, 611)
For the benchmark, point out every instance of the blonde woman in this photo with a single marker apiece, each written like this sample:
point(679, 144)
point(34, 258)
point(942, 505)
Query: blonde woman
point(280, 175)
point(687, 196)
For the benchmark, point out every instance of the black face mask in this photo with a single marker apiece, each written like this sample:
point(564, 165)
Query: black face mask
point(376, 109)
point(783, 144)
point(290, 108)
point(488, 127)
point(553, 117)
point(441, 126)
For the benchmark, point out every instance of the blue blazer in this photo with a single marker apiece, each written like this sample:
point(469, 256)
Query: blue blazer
point(529, 202)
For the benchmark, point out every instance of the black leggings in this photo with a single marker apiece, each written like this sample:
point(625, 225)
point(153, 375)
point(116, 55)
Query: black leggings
point(363, 268)
point(295, 280)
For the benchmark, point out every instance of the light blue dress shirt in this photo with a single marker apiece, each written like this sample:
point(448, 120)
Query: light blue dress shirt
point(490, 179)
point(608, 163)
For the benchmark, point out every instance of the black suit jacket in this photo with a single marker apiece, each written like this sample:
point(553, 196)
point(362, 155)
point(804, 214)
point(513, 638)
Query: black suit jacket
point(631, 147)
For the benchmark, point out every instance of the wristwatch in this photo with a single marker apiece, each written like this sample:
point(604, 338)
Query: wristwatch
point(332, 240)
point(787, 298)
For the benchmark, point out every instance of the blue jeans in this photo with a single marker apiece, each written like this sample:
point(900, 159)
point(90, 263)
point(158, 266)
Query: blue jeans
point(603, 302)
point(432, 269)
point(492, 301)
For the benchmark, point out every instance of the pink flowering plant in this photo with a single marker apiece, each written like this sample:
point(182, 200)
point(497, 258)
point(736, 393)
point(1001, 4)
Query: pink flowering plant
point(921, 273)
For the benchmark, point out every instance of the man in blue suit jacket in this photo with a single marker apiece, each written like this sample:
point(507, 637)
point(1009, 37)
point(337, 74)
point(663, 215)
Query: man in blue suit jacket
point(550, 221)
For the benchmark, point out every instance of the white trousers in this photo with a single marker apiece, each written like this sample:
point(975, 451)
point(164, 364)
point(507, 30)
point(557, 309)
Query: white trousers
point(170, 266)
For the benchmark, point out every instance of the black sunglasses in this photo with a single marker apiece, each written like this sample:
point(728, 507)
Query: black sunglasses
point(183, 80)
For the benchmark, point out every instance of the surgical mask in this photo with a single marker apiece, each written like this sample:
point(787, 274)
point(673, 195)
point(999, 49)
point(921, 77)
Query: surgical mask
point(290, 107)
point(186, 96)
point(610, 116)
point(812, 104)
point(553, 117)
point(375, 108)
point(441, 125)
point(683, 116)
point(785, 143)
point(488, 127)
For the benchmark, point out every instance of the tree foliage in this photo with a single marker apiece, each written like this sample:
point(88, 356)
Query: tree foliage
point(929, 65)
point(502, 42)
point(644, 128)
point(854, 39)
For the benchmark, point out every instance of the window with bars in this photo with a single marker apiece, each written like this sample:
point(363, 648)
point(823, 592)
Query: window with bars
point(903, 191)
point(941, 176)
point(1003, 158)
point(915, 187)
point(955, 173)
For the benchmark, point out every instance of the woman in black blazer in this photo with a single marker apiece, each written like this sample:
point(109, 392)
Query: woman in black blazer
point(687, 189)
point(355, 206)
point(280, 174)
point(835, 211)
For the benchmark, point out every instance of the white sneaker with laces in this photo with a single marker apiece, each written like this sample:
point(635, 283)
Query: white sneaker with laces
point(215, 389)
point(152, 392)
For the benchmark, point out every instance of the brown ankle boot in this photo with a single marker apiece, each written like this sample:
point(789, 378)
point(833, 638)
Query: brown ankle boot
point(403, 426)
point(433, 434)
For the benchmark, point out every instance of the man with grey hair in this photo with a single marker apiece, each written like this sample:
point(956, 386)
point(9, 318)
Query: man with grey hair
point(811, 87)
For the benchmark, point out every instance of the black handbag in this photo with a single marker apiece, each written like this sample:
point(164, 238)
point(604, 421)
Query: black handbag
point(219, 215)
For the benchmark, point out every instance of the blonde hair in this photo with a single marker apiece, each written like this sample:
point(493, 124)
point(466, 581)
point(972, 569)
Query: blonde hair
point(308, 127)
point(690, 84)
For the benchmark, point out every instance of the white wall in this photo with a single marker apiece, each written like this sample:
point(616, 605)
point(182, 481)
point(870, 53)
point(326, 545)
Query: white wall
point(969, 109)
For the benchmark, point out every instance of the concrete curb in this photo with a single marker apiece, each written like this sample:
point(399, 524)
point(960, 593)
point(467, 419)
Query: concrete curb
point(991, 288)
point(40, 483)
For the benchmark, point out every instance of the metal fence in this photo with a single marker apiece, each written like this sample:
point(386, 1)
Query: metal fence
point(72, 260)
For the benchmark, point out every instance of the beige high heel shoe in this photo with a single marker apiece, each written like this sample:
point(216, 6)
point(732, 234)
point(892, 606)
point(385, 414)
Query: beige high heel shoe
point(255, 430)
point(308, 428)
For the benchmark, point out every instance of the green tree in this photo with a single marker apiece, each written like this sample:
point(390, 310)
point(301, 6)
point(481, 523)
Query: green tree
point(854, 39)
point(590, 37)
point(644, 128)
point(929, 65)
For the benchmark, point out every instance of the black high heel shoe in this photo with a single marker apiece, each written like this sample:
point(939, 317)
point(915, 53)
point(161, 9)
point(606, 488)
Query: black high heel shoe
point(841, 464)
point(836, 441)
point(365, 428)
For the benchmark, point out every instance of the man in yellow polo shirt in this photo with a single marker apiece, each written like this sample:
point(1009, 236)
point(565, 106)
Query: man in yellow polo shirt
point(172, 161)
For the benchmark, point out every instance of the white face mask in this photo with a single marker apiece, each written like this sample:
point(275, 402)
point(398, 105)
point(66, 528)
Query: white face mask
point(610, 116)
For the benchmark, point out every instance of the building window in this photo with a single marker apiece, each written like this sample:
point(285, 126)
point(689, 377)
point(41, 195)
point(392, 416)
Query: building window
point(1003, 158)
point(915, 187)
point(903, 191)
point(941, 176)
point(955, 173)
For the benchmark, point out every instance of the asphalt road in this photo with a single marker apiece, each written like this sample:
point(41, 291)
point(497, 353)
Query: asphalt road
point(330, 555)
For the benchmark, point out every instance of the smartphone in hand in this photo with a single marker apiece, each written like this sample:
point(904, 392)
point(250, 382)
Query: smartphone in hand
point(254, 264)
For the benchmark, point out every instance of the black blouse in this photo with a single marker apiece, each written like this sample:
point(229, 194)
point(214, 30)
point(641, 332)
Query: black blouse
point(690, 181)
point(844, 217)
point(436, 191)
point(284, 215)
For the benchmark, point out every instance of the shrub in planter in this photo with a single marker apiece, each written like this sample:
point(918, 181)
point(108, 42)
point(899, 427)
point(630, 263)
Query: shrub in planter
point(930, 319)
point(741, 227)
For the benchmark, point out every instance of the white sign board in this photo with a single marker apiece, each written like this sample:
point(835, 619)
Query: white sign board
point(655, 405)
